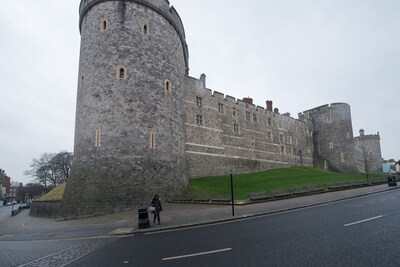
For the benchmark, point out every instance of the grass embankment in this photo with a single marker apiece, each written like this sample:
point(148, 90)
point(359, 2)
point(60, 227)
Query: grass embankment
point(277, 179)
point(55, 194)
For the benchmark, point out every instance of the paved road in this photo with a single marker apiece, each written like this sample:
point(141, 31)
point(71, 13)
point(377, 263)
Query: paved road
point(357, 232)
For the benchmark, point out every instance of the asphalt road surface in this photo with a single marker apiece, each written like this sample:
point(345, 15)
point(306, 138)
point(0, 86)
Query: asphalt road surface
point(359, 232)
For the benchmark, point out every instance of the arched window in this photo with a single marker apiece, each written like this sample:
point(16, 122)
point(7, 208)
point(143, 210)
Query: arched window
point(168, 86)
point(145, 29)
point(104, 25)
point(121, 73)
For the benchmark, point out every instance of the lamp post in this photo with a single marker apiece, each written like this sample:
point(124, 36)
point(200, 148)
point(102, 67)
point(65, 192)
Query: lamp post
point(232, 198)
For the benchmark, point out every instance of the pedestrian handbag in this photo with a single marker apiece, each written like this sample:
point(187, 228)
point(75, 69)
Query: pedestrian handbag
point(152, 209)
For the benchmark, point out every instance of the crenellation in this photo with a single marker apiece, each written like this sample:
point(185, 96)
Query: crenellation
point(219, 95)
point(230, 99)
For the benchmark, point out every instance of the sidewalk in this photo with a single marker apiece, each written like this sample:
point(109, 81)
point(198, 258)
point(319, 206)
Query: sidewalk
point(175, 216)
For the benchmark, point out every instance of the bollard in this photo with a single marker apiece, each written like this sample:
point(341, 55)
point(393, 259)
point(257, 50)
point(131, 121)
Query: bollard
point(143, 221)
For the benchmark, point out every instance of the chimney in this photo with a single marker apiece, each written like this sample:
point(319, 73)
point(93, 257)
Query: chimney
point(248, 100)
point(269, 105)
point(203, 80)
point(276, 110)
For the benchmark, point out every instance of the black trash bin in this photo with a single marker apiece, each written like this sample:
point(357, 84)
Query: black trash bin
point(144, 221)
point(392, 181)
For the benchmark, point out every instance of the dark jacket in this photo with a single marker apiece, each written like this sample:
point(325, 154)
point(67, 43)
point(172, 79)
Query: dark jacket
point(157, 204)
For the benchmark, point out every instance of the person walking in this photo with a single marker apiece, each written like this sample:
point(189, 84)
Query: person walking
point(156, 203)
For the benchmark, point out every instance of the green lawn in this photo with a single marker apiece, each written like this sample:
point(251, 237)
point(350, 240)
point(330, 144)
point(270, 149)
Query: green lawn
point(294, 177)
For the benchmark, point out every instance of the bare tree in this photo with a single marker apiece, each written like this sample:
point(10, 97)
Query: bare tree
point(51, 169)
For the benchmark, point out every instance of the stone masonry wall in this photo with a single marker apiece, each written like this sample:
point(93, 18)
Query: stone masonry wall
point(333, 136)
point(370, 145)
point(130, 132)
point(238, 135)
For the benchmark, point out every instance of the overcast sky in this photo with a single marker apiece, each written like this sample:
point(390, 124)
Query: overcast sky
point(300, 54)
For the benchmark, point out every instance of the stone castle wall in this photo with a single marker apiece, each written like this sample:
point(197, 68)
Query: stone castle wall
point(371, 148)
point(143, 126)
point(233, 134)
point(333, 136)
point(130, 131)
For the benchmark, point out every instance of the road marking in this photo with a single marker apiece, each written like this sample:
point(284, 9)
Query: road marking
point(366, 220)
point(197, 254)
point(27, 218)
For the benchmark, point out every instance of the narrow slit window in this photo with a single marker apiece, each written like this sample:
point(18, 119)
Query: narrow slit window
point(145, 29)
point(168, 86)
point(82, 80)
point(104, 25)
point(98, 138)
point(121, 73)
point(152, 140)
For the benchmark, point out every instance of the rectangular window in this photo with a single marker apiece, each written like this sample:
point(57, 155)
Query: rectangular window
point(198, 101)
point(331, 146)
point(255, 117)
point(236, 128)
point(199, 120)
point(290, 151)
point(152, 143)
point(234, 112)
point(282, 150)
point(98, 137)
point(220, 108)
point(269, 121)
point(281, 138)
point(288, 140)
point(342, 158)
point(248, 115)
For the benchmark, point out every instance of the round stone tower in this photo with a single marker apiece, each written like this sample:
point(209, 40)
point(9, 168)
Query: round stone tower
point(333, 138)
point(130, 124)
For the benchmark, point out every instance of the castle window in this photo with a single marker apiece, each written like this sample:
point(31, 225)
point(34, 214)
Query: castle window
point(281, 138)
point(145, 29)
point(236, 128)
point(220, 108)
point(82, 80)
point(282, 150)
point(290, 151)
point(152, 143)
point(342, 158)
point(198, 102)
point(255, 117)
point(98, 138)
point(121, 73)
point(104, 25)
point(168, 86)
point(289, 140)
point(330, 146)
point(269, 121)
point(248, 115)
point(199, 120)
point(234, 112)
